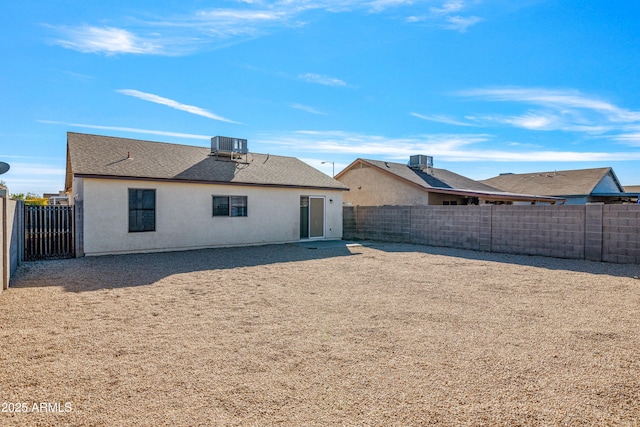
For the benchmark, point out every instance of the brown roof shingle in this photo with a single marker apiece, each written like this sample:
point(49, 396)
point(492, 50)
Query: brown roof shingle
point(556, 183)
point(444, 181)
point(435, 178)
point(105, 156)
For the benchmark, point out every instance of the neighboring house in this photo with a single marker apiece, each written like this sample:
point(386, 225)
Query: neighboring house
point(378, 183)
point(577, 186)
point(142, 196)
point(632, 188)
point(57, 199)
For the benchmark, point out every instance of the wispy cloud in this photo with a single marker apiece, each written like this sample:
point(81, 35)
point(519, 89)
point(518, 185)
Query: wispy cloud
point(630, 139)
point(380, 5)
point(341, 142)
point(246, 19)
point(107, 40)
point(524, 144)
point(308, 109)
point(461, 23)
point(529, 120)
point(79, 76)
point(533, 121)
point(447, 147)
point(554, 99)
point(31, 169)
point(226, 23)
point(171, 36)
point(451, 6)
point(174, 104)
point(439, 118)
point(320, 79)
point(448, 16)
point(35, 177)
point(549, 110)
point(128, 129)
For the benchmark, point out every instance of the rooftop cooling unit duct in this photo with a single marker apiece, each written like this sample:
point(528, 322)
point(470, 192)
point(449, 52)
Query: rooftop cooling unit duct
point(420, 161)
point(226, 145)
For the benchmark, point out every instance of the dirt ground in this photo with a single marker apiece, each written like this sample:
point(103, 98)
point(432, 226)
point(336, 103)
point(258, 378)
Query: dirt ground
point(318, 335)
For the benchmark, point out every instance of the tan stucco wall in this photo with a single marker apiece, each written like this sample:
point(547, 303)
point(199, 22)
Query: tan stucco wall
point(439, 199)
point(371, 187)
point(184, 216)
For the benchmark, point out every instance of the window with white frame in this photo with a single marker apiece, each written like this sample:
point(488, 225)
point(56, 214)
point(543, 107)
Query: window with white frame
point(229, 205)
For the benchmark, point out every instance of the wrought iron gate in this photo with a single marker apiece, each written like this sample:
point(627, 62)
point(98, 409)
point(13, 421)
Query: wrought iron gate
point(48, 232)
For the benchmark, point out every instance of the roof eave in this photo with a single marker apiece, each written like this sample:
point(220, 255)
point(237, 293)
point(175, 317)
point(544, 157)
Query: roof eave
point(191, 181)
point(345, 170)
point(499, 196)
point(626, 194)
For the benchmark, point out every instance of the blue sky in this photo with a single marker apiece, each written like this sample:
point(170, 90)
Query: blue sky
point(484, 86)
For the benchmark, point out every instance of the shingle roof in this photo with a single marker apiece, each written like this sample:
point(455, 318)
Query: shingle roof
point(444, 181)
point(105, 156)
point(556, 183)
point(435, 178)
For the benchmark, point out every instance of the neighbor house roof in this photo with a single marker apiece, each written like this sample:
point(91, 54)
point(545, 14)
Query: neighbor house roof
point(111, 157)
point(632, 188)
point(445, 182)
point(580, 182)
point(431, 177)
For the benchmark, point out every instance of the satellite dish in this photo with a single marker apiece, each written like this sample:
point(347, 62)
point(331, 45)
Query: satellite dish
point(4, 167)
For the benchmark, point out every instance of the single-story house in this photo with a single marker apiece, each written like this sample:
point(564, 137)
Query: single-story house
point(418, 183)
point(143, 196)
point(578, 186)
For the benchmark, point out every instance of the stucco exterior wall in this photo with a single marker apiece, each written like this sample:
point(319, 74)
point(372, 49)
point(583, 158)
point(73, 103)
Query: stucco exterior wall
point(440, 199)
point(370, 187)
point(11, 243)
point(184, 216)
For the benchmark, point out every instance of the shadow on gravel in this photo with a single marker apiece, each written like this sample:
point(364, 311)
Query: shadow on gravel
point(580, 266)
point(120, 271)
point(88, 273)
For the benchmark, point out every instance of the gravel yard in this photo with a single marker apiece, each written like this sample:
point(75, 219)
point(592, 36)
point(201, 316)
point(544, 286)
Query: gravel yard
point(321, 334)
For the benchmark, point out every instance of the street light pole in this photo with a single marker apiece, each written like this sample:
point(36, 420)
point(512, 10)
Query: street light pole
point(333, 168)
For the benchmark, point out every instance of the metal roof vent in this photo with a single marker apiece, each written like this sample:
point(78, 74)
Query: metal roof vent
point(420, 162)
point(224, 145)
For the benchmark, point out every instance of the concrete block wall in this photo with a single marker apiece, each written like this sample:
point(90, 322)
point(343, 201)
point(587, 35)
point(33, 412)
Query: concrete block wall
point(621, 233)
point(594, 231)
point(539, 230)
point(385, 223)
point(349, 224)
point(451, 226)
